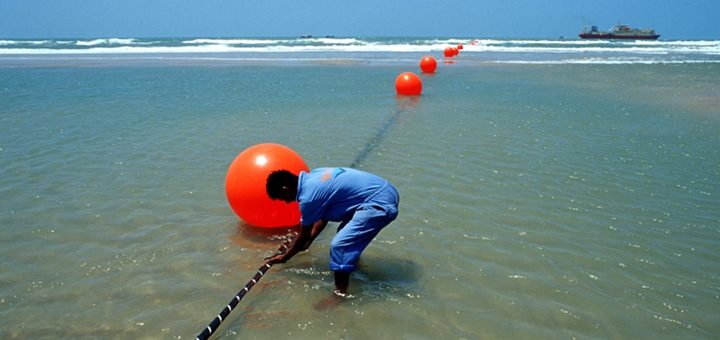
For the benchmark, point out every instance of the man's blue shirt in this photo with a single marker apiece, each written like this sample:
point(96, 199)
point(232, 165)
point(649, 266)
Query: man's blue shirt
point(334, 194)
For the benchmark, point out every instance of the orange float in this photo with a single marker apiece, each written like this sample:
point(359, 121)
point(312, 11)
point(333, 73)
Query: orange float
point(448, 52)
point(246, 180)
point(428, 64)
point(409, 84)
point(460, 46)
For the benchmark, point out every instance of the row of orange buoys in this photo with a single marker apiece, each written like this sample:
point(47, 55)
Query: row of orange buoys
point(409, 84)
point(451, 51)
point(246, 179)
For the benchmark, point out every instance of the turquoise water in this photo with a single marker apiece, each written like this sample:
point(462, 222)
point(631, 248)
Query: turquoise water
point(538, 201)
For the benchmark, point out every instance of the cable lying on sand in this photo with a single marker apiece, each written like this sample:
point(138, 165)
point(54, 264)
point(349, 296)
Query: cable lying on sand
point(215, 323)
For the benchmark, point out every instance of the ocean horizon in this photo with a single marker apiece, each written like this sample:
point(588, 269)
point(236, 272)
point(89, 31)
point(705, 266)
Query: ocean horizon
point(550, 188)
point(390, 49)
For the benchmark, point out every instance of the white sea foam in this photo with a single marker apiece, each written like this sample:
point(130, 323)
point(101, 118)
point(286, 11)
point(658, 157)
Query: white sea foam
point(234, 41)
point(504, 50)
point(27, 42)
point(611, 61)
point(335, 41)
point(110, 41)
point(325, 41)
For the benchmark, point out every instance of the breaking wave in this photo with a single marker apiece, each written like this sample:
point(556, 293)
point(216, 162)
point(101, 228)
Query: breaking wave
point(492, 50)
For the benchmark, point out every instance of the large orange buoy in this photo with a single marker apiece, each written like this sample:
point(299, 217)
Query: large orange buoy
point(246, 180)
point(428, 64)
point(408, 84)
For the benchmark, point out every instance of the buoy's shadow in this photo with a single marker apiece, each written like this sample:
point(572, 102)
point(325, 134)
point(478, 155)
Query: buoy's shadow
point(404, 102)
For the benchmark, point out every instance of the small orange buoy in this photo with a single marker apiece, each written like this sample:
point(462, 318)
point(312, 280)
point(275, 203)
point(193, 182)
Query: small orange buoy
point(245, 185)
point(428, 64)
point(448, 53)
point(460, 46)
point(409, 84)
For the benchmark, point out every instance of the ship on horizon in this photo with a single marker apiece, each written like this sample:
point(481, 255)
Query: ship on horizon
point(619, 31)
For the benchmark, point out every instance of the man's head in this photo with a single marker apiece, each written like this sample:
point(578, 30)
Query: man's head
point(282, 185)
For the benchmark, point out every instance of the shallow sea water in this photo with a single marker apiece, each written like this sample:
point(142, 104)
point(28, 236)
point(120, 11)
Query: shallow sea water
point(538, 201)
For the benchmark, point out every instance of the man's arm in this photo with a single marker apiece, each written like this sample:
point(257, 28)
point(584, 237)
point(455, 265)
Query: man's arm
point(317, 228)
point(302, 241)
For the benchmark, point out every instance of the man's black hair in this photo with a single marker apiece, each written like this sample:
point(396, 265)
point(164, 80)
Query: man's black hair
point(279, 179)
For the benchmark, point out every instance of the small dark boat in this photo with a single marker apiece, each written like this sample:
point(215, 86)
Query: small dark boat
point(619, 31)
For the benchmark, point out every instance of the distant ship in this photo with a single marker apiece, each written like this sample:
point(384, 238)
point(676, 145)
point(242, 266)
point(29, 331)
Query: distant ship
point(619, 31)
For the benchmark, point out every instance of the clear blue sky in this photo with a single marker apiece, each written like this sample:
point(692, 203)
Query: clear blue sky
point(674, 19)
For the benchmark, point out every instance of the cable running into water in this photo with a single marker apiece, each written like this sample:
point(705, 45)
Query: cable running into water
point(373, 142)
